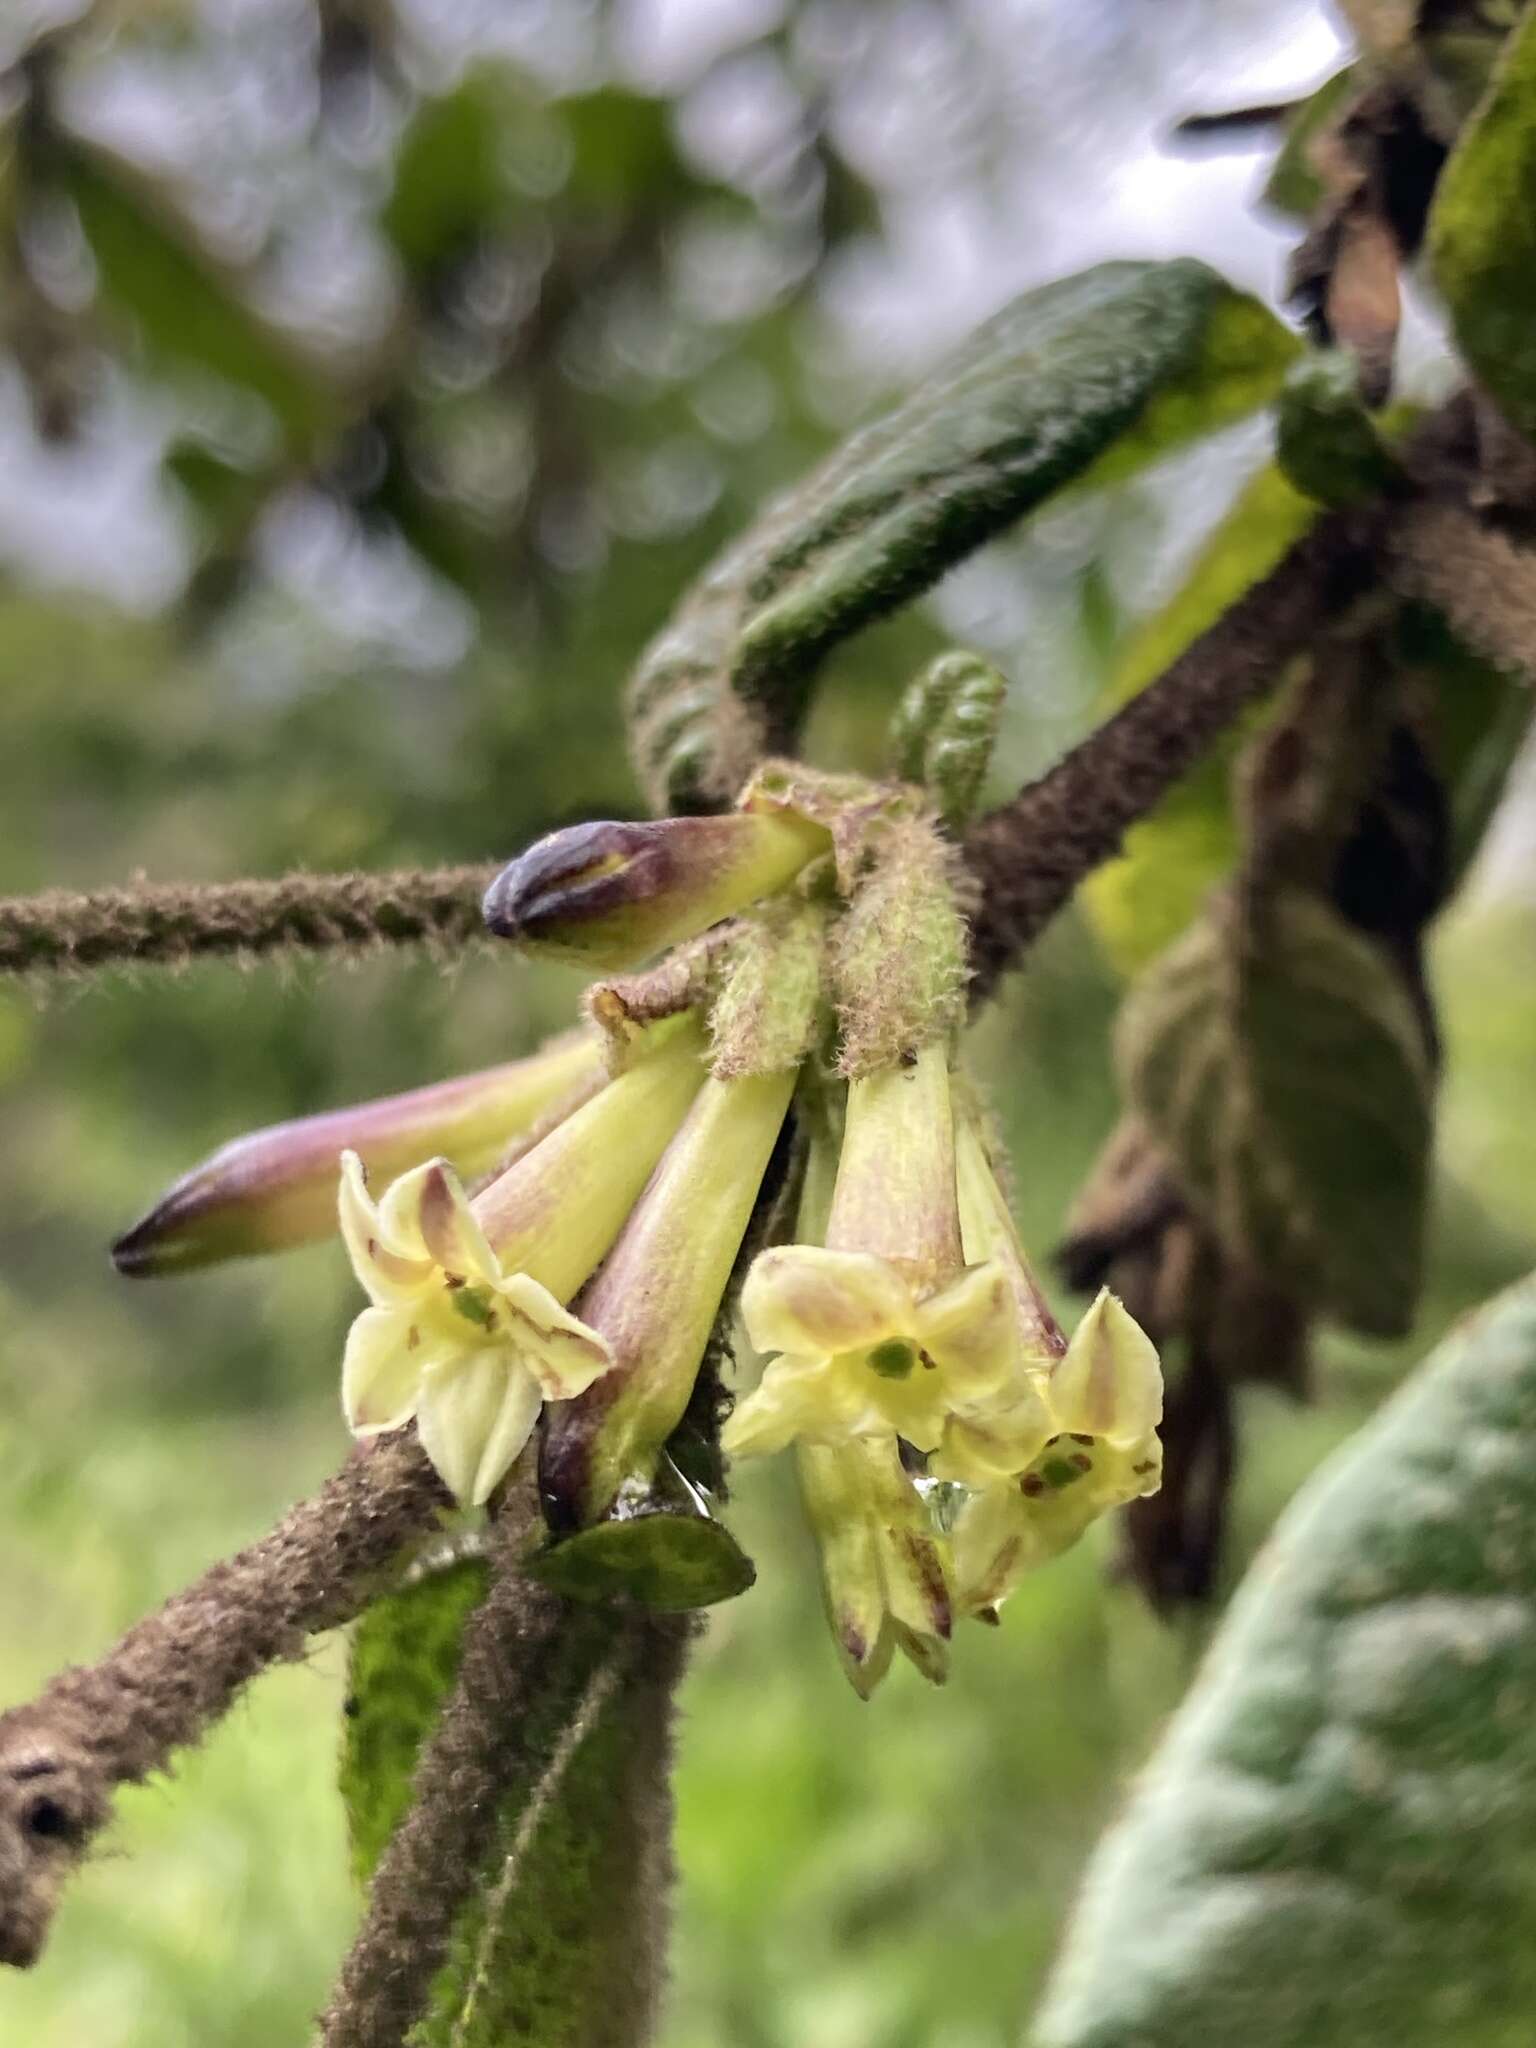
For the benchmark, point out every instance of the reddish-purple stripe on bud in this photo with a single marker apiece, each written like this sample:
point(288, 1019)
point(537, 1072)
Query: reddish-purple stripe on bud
point(277, 1187)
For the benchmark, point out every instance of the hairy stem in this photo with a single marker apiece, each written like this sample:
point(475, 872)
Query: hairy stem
point(169, 925)
point(529, 1664)
point(1030, 854)
point(166, 1683)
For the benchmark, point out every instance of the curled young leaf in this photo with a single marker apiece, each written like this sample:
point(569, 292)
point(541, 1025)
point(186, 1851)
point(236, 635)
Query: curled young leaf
point(1285, 1070)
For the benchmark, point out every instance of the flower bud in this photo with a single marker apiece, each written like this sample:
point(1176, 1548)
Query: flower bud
point(884, 1579)
point(609, 895)
point(656, 1297)
point(277, 1187)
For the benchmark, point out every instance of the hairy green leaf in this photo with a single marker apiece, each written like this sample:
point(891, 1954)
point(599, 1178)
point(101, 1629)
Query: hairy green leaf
point(672, 1562)
point(1081, 381)
point(1326, 440)
point(562, 1948)
point(189, 309)
point(1284, 1068)
point(405, 1656)
point(1482, 233)
point(560, 1943)
point(1336, 1842)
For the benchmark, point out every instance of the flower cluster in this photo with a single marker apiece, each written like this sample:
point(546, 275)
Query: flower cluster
point(947, 1435)
point(912, 1344)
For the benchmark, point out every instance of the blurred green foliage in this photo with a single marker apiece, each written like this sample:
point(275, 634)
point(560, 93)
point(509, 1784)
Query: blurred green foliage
point(575, 394)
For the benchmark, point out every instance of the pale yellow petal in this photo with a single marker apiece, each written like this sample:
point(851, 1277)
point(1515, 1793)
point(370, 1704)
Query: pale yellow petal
point(562, 1354)
point(796, 1396)
point(464, 1421)
point(914, 1407)
point(1110, 1383)
point(998, 1540)
point(387, 1276)
point(971, 1331)
point(805, 1299)
point(447, 1227)
point(998, 1443)
point(381, 1371)
point(917, 1586)
point(521, 1401)
point(834, 1486)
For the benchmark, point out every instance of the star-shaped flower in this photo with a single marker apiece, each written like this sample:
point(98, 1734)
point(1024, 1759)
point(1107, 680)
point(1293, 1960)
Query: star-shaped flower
point(864, 1352)
point(468, 1349)
point(1105, 1400)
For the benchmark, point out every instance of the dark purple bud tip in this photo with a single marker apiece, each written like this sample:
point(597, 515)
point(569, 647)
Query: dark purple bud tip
point(561, 895)
point(165, 1240)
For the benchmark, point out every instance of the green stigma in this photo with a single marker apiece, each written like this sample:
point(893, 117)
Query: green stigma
point(474, 1305)
point(893, 1359)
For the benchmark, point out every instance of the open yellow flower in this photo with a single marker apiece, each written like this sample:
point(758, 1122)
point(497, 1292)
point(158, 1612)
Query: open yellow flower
point(883, 1331)
point(862, 1352)
point(467, 1330)
point(1105, 1400)
point(469, 1350)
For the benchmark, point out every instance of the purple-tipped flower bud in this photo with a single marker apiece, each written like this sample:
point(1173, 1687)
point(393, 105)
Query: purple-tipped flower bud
point(276, 1188)
point(610, 895)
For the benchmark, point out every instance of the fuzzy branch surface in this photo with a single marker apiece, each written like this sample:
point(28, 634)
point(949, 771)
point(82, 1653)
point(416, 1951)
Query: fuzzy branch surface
point(164, 1685)
point(171, 925)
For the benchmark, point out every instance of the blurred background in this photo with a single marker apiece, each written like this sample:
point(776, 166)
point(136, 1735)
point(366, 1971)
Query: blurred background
point(373, 374)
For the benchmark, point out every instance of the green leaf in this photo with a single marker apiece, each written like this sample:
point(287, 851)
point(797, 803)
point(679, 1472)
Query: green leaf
point(189, 309)
point(1284, 1069)
point(405, 1657)
point(563, 1947)
point(1293, 186)
point(1326, 440)
point(574, 1935)
point(1174, 857)
point(450, 175)
point(1336, 1842)
point(1482, 233)
point(670, 1562)
point(1478, 724)
point(1080, 382)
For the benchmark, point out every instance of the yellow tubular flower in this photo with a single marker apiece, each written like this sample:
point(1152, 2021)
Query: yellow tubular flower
point(881, 1332)
point(467, 1331)
point(884, 1576)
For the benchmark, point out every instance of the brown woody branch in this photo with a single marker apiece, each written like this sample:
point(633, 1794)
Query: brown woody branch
point(165, 1684)
point(171, 925)
point(530, 1657)
point(1030, 854)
